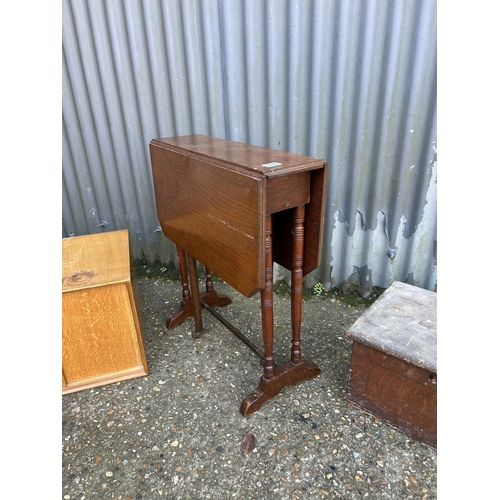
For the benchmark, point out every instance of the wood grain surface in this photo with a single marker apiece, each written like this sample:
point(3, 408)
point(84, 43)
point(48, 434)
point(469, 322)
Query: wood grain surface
point(212, 196)
point(101, 334)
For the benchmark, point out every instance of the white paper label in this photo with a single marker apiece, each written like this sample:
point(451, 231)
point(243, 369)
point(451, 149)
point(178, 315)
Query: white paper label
point(272, 164)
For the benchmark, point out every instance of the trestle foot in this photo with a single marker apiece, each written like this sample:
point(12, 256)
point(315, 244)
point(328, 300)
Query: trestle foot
point(285, 375)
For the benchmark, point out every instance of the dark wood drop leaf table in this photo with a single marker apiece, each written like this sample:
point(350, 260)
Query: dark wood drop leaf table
point(237, 208)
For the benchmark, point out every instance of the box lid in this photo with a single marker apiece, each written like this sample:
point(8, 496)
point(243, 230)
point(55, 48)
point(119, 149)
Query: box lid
point(402, 322)
point(95, 259)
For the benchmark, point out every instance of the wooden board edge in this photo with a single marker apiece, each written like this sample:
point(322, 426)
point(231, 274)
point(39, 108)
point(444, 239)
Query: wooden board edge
point(111, 378)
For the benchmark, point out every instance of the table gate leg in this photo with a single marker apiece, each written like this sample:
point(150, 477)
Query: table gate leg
point(187, 307)
point(210, 296)
point(193, 278)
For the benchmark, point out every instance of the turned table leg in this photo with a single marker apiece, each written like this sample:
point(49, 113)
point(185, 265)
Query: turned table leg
point(296, 292)
point(266, 301)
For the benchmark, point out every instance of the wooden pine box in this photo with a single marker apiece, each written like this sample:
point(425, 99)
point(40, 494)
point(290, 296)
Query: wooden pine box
point(394, 361)
point(101, 334)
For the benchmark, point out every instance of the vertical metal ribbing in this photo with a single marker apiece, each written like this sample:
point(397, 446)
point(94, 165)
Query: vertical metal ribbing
point(351, 82)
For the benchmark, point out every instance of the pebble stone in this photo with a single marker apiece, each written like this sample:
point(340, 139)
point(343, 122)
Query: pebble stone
point(177, 433)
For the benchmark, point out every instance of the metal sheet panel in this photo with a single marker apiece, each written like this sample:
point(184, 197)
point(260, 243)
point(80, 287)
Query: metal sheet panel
point(350, 81)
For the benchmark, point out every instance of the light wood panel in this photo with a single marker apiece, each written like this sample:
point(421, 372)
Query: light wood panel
point(101, 337)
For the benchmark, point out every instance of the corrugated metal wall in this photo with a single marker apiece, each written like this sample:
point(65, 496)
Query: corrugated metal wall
point(351, 81)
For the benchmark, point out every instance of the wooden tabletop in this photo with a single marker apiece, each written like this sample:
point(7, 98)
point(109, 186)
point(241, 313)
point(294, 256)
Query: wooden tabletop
point(213, 196)
point(242, 156)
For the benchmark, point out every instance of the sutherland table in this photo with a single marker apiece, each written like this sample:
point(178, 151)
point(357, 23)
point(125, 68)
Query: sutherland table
point(236, 208)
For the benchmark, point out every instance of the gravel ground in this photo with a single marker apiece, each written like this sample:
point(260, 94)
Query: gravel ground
point(178, 432)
